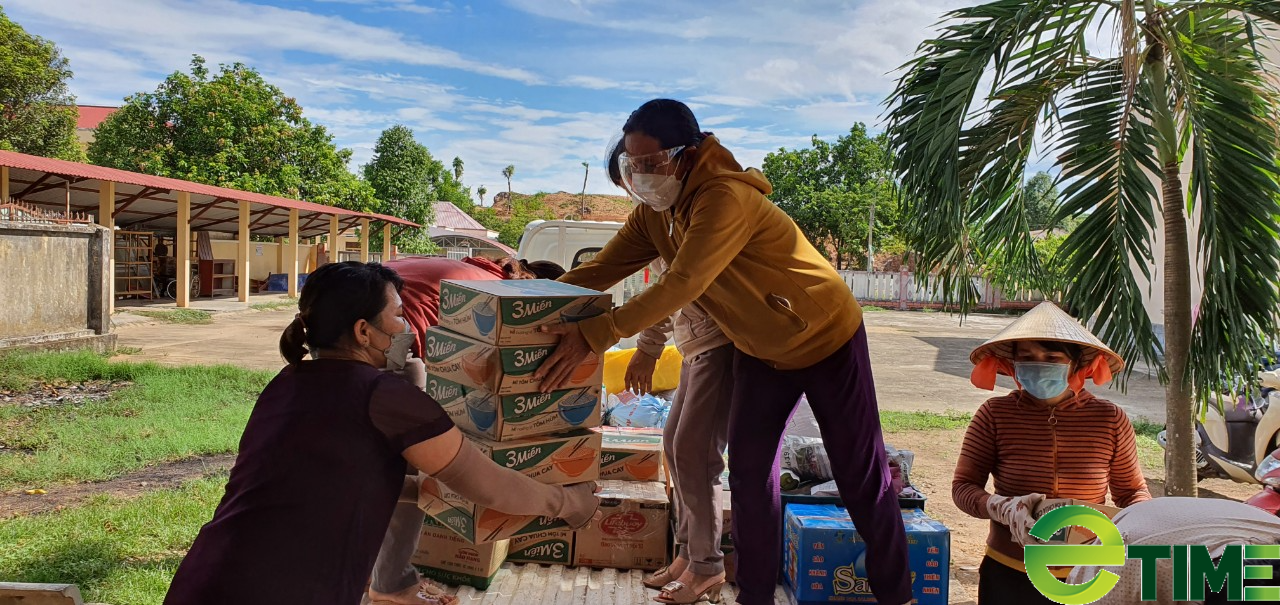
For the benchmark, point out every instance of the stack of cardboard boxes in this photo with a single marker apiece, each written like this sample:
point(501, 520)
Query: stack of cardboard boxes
point(480, 364)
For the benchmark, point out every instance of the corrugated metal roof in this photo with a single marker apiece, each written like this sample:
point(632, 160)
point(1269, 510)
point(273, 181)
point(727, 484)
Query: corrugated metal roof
point(560, 585)
point(148, 201)
point(452, 217)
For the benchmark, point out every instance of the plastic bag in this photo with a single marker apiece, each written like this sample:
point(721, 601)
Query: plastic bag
point(645, 411)
point(666, 374)
point(806, 457)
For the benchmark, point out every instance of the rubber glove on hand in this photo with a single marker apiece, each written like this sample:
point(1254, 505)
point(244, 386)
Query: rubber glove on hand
point(1016, 513)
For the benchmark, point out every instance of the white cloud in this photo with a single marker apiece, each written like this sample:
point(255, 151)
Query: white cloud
point(408, 6)
point(216, 27)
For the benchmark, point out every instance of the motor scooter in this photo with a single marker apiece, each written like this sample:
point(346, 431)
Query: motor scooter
point(1236, 436)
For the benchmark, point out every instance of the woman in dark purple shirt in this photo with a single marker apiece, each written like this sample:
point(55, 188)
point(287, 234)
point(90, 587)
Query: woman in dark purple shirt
point(322, 459)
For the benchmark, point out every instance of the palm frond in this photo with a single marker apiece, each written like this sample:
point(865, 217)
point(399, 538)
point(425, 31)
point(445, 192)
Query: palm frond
point(1107, 161)
point(1230, 109)
point(955, 175)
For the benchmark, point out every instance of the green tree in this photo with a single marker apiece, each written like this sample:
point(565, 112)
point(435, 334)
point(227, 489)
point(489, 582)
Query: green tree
point(37, 112)
point(232, 129)
point(829, 189)
point(1184, 84)
point(402, 173)
point(457, 169)
point(481, 191)
point(1042, 202)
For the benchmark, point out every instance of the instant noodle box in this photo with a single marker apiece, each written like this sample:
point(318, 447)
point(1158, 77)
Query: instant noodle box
point(512, 312)
point(548, 548)
point(554, 459)
point(505, 417)
point(474, 523)
point(631, 454)
point(632, 533)
point(445, 557)
point(1073, 534)
point(825, 558)
point(500, 370)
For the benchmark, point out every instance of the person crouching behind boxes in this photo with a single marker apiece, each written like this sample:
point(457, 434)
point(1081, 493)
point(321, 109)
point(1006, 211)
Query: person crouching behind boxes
point(322, 459)
point(395, 580)
point(1049, 438)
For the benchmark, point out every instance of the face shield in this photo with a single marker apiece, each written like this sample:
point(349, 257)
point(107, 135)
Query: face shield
point(651, 178)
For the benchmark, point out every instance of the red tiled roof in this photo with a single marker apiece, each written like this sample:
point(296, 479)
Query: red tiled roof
point(93, 115)
point(452, 217)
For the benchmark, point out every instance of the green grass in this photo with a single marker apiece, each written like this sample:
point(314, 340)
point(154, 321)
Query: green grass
point(873, 309)
point(179, 316)
point(128, 350)
point(1150, 454)
point(894, 422)
point(167, 414)
point(288, 303)
point(118, 551)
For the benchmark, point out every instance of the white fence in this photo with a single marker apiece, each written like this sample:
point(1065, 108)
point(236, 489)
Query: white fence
point(904, 291)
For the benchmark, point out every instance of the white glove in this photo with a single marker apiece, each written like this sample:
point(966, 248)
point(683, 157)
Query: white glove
point(1016, 513)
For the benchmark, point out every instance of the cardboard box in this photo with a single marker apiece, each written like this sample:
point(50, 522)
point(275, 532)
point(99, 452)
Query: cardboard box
point(476, 524)
point(500, 370)
point(1072, 535)
point(548, 548)
point(506, 417)
point(511, 312)
point(553, 459)
point(825, 559)
point(633, 532)
point(444, 556)
point(631, 454)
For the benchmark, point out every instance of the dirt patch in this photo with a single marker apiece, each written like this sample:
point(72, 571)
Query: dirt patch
point(58, 394)
point(18, 503)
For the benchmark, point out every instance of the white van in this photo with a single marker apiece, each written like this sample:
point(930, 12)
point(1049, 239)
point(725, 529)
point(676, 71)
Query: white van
point(571, 243)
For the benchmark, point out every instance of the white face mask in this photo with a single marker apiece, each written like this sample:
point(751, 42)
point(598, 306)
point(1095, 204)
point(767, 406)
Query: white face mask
point(397, 353)
point(657, 191)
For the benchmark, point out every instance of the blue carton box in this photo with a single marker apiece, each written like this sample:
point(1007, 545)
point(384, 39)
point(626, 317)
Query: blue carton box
point(825, 557)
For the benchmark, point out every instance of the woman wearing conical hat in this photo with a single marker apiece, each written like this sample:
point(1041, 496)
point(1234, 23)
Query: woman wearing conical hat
point(1051, 438)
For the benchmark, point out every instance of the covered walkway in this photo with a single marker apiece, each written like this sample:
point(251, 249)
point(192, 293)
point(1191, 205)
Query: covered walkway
point(130, 201)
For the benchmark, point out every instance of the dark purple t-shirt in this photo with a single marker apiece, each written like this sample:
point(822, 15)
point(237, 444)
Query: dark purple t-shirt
point(310, 496)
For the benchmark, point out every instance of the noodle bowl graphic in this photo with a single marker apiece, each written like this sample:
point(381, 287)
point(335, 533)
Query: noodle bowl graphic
point(574, 464)
point(579, 408)
point(481, 410)
point(485, 318)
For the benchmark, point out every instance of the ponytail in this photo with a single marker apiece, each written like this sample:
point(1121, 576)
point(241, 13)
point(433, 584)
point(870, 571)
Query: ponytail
point(293, 341)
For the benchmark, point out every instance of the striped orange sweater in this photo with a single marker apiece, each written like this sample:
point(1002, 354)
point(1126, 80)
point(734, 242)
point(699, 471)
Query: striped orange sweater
point(1078, 449)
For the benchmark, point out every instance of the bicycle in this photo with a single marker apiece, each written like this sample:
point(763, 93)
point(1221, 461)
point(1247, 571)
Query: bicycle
point(169, 287)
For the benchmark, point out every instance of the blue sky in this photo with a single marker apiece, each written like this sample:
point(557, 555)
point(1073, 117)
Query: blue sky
point(540, 84)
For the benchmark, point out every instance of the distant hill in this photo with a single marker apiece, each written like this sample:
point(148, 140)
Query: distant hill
point(569, 205)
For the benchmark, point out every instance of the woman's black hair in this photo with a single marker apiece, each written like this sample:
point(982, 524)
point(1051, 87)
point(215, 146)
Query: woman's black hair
point(543, 269)
point(1072, 350)
point(611, 163)
point(334, 298)
point(670, 122)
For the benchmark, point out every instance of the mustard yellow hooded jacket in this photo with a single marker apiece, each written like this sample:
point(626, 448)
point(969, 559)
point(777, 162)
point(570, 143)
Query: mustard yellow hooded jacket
point(743, 259)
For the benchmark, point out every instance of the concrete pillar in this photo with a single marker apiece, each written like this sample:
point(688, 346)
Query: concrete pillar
point(293, 253)
point(4, 184)
point(280, 254)
point(386, 242)
point(364, 240)
point(107, 218)
point(333, 239)
point(184, 249)
point(242, 253)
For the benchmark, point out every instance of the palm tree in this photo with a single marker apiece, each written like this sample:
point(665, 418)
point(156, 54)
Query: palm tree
point(457, 169)
point(1183, 84)
point(508, 172)
point(481, 190)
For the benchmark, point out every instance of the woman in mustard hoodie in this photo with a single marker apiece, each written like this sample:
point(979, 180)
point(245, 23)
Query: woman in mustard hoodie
point(794, 322)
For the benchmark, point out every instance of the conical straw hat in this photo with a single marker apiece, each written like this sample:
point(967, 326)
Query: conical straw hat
point(1047, 322)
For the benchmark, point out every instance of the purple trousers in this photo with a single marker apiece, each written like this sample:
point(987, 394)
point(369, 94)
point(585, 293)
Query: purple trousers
point(842, 394)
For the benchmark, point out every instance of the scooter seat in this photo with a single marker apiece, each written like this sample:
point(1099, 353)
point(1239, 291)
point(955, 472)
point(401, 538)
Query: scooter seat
point(1243, 415)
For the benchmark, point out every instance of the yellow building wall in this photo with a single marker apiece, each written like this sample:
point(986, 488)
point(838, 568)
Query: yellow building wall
point(264, 257)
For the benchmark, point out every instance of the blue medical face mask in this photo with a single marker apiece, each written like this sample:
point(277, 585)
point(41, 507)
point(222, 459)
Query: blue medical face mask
point(1044, 381)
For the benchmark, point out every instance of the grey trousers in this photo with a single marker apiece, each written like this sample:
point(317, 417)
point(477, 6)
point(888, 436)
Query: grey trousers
point(393, 572)
point(694, 441)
